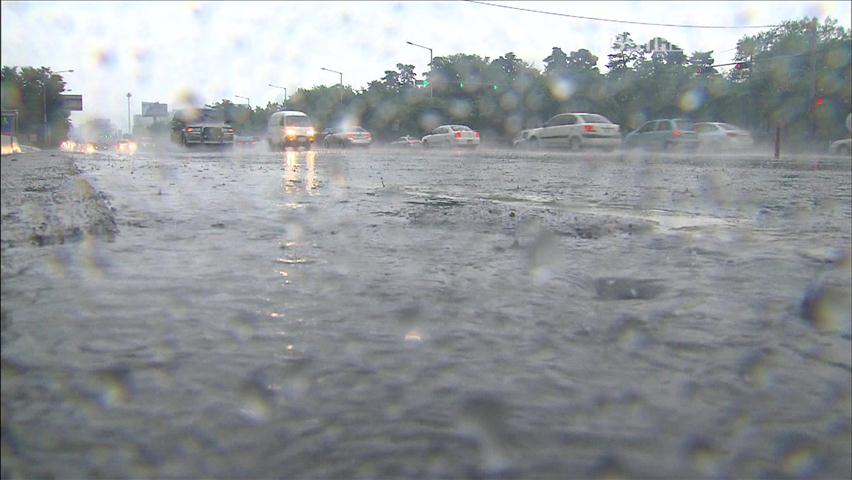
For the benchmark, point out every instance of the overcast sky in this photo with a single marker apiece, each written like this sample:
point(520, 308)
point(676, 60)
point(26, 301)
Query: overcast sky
point(166, 51)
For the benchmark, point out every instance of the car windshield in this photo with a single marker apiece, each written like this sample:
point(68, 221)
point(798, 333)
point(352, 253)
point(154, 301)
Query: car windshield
point(550, 275)
point(591, 118)
point(210, 115)
point(298, 121)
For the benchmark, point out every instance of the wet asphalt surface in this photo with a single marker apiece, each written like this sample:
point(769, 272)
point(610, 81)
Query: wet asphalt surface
point(437, 314)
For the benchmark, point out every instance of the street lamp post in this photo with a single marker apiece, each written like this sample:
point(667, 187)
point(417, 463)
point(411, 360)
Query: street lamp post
point(247, 99)
point(341, 81)
point(46, 132)
point(285, 92)
point(129, 127)
point(430, 65)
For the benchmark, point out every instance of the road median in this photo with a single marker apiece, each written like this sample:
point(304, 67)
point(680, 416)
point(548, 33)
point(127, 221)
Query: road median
point(47, 201)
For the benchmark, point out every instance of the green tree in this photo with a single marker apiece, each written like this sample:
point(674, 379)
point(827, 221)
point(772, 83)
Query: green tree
point(36, 94)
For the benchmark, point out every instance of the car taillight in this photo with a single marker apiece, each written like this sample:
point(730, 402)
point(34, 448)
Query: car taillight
point(589, 128)
point(350, 136)
point(732, 134)
point(676, 133)
point(190, 129)
point(477, 134)
point(368, 135)
point(458, 134)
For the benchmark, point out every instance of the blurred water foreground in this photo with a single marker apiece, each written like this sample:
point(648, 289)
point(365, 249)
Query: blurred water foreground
point(378, 314)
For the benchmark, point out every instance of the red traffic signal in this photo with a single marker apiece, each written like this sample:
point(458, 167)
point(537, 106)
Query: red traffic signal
point(819, 101)
point(699, 69)
point(742, 65)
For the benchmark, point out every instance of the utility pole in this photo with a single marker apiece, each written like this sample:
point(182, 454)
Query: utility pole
point(46, 132)
point(129, 128)
point(813, 78)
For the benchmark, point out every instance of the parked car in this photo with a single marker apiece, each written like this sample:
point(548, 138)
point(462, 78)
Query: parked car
point(577, 131)
point(289, 128)
point(451, 136)
point(344, 137)
point(717, 136)
point(406, 141)
point(663, 134)
point(841, 147)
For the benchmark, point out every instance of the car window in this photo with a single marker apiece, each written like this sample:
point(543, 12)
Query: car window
point(685, 125)
point(728, 126)
point(461, 128)
point(594, 118)
point(648, 127)
point(664, 125)
point(297, 121)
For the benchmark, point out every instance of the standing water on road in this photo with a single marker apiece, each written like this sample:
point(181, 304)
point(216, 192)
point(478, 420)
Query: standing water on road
point(336, 314)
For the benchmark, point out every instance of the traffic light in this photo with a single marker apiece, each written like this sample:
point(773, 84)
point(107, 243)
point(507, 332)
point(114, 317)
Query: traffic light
point(699, 70)
point(494, 87)
point(819, 101)
point(461, 84)
point(742, 65)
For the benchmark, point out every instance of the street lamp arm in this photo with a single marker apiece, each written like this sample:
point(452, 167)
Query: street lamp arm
point(282, 88)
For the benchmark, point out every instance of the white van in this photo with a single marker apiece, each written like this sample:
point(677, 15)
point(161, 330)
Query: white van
point(289, 128)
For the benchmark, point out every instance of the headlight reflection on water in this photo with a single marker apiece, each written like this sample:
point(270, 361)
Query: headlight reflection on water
point(293, 161)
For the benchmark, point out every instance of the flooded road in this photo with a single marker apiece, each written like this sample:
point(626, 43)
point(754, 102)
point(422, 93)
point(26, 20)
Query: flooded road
point(427, 314)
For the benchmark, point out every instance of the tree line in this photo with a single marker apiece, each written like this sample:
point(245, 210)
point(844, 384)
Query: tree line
point(797, 77)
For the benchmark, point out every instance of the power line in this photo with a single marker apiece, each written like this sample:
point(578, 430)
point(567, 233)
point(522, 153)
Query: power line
point(619, 21)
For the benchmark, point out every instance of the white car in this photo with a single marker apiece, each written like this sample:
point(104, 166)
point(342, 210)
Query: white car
point(576, 131)
point(289, 128)
point(451, 136)
point(715, 136)
point(841, 147)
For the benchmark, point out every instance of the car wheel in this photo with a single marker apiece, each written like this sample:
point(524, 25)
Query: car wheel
point(843, 150)
point(425, 144)
point(536, 144)
point(574, 145)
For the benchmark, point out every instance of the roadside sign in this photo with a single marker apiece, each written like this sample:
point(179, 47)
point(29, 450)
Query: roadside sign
point(72, 102)
point(154, 109)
